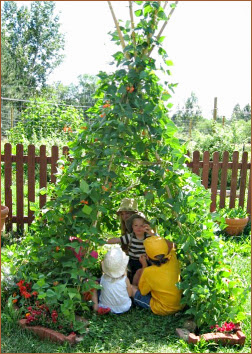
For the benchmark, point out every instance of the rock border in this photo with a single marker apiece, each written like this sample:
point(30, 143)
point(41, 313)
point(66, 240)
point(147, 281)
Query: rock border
point(225, 338)
point(47, 333)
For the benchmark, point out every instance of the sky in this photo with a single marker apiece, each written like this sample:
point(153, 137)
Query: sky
point(209, 43)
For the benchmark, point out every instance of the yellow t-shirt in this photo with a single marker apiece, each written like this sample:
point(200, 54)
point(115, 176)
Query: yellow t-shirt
point(160, 281)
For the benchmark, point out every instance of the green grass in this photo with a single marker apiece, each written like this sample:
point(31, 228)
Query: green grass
point(137, 331)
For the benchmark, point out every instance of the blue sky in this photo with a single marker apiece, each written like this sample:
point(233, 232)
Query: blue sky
point(209, 43)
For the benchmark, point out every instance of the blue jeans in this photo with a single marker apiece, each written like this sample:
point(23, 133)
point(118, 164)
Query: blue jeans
point(142, 300)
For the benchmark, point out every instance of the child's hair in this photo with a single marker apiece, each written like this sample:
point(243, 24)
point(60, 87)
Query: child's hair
point(160, 260)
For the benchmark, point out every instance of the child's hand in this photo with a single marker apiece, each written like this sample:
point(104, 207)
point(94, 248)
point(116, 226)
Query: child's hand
point(148, 229)
point(143, 260)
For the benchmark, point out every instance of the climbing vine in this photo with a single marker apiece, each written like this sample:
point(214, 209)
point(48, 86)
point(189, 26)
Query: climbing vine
point(127, 148)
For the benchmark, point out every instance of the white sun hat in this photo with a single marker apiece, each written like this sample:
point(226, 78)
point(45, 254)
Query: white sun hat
point(115, 262)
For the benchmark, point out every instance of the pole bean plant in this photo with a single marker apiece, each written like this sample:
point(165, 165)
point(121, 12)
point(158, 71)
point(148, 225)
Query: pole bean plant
point(128, 148)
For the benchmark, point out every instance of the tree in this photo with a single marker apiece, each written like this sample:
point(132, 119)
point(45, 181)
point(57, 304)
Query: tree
point(31, 38)
point(78, 95)
point(189, 115)
point(128, 148)
point(241, 114)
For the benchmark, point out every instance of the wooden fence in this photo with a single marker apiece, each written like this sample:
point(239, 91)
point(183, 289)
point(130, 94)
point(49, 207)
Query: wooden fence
point(207, 169)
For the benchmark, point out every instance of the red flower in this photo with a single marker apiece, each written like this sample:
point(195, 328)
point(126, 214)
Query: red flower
point(26, 294)
point(20, 283)
point(35, 293)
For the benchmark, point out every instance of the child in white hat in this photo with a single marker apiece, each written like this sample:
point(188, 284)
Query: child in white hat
point(116, 288)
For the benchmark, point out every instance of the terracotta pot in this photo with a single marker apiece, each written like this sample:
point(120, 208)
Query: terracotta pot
point(4, 214)
point(235, 226)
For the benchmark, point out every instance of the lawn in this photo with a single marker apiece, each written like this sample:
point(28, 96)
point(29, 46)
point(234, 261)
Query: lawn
point(137, 331)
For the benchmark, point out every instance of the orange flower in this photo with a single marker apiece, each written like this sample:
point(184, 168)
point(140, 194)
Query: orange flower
point(85, 128)
point(74, 216)
point(70, 129)
point(110, 184)
point(96, 139)
point(131, 89)
point(14, 294)
point(104, 188)
point(14, 301)
point(84, 201)
point(55, 283)
point(61, 219)
point(65, 129)
point(57, 248)
point(102, 115)
point(27, 314)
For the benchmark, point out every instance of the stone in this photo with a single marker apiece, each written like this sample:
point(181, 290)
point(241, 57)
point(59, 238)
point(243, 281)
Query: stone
point(183, 333)
point(190, 325)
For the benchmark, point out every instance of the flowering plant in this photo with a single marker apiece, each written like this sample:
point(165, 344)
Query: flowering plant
point(225, 328)
point(40, 314)
point(24, 295)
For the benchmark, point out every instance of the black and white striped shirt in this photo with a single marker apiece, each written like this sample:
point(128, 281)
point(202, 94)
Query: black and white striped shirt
point(136, 248)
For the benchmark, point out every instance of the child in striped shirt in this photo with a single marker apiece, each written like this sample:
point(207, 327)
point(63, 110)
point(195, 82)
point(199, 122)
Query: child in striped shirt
point(139, 229)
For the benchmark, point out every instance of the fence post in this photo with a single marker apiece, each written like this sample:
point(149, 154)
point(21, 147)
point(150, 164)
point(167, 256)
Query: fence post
point(215, 109)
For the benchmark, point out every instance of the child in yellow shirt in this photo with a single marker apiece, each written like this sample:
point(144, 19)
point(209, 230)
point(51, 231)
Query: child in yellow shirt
point(157, 289)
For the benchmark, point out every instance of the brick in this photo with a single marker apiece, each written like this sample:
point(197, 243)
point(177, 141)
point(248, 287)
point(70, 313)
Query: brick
point(47, 333)
point(192, 338)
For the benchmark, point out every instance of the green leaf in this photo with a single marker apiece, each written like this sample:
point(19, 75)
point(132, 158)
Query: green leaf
point(138, 13)
point(169, 62)
point(87, 210)
point(84, 186)
point(50, 293)
point(160, 40)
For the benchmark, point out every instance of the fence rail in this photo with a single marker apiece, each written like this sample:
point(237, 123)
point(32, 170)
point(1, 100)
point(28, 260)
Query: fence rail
point(208, 170)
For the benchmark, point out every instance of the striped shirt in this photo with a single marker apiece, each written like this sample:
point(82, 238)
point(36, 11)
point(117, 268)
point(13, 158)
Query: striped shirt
point(136, 247)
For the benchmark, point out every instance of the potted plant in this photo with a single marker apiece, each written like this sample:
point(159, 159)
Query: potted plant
point(4, 214)
point(236, 219)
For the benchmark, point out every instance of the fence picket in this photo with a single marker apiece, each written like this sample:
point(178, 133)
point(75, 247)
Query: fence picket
point(214, 183)
point(20, 187)
point(196, 158)
point(43, 174)
point(234, 179)
point(223, 185)
point(243, 178)
point(54, 159)
point(249, 194)
point(8, 184)
point(205, 170)
point(31, 180)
